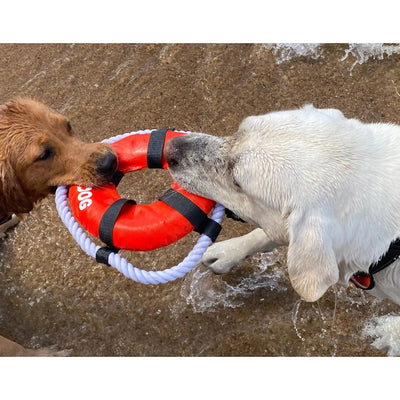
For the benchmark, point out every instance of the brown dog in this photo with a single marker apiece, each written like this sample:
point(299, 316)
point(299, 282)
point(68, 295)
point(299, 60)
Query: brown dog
point(38, 152)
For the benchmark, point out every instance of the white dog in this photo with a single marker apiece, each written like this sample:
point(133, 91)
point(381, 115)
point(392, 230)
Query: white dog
point(326, 186)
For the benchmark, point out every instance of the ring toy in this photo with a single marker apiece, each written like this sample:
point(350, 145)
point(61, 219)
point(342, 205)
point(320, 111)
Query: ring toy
point(138, 150)
point(123, 224)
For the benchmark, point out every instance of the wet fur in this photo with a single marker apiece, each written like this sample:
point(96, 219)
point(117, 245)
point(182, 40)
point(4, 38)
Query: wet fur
point(326, 186)
point(27, 130)
point(38, 151)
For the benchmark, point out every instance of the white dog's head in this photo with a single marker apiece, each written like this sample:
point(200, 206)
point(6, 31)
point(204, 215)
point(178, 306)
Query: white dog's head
point(207, 166)
point(198, 162)
point(228, 171)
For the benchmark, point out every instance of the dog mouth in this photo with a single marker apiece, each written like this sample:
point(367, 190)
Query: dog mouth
point(93, 180)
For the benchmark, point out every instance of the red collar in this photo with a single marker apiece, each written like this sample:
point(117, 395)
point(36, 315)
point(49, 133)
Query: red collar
point(365, 280)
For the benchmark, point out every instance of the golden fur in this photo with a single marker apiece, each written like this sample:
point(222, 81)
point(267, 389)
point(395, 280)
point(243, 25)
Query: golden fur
point(38, 152)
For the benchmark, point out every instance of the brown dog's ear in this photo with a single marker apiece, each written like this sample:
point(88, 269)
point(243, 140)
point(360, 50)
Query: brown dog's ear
point(12, 196)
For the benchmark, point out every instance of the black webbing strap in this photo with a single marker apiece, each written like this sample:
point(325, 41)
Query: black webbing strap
point(155, 148)
point(106, 228)
point(116, 179)
point(387, 259)
point(107, 221)
point(102, 254)
point(193, 213)
point(232, 215)
point(211, 229)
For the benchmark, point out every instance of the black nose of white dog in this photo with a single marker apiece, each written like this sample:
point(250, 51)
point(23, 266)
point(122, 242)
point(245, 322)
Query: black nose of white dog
point(172, 152)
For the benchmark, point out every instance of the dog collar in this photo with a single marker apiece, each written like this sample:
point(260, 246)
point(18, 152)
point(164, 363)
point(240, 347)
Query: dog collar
point(232, 215)
point(365, 280)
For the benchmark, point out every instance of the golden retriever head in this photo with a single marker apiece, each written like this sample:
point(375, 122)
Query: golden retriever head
point(38, 151)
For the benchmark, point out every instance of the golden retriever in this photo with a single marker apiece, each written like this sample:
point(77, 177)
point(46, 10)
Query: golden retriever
point(38, 152)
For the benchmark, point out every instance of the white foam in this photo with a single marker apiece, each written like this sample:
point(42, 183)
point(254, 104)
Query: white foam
point(364, 51)
point(386, 333)
point(205, 291)
point(287, 51)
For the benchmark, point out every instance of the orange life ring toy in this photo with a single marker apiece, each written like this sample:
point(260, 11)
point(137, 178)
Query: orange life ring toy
point(123, 224)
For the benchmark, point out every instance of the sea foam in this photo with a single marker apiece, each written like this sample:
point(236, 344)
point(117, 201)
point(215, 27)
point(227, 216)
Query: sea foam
point(362, 52)
point(385, 330)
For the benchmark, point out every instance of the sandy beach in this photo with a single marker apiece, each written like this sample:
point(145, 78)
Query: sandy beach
point(52, 294)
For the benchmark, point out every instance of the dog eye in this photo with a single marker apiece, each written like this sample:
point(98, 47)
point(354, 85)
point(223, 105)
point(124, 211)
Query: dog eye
point(237, 185)
point(231, 166)
point(46, 154)
point(69, 127)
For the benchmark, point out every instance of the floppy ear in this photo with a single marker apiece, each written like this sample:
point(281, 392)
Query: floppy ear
point(12, 196)
point(312, 264)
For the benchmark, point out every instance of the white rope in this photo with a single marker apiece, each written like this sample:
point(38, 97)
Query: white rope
point(120, 263)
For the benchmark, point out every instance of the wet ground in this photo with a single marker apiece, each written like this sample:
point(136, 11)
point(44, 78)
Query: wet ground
point(52, 294)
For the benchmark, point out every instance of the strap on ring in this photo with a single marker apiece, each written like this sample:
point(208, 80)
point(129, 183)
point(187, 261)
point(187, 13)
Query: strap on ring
point(193, 213)
point(103, 253)
point(106, 228)
point(116, 179)
point(155, 148)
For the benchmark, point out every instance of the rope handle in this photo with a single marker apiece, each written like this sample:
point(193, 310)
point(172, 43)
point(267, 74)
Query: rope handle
point(120, 263)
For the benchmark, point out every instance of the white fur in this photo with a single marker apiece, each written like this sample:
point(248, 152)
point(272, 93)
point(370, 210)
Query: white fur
point(326, 186)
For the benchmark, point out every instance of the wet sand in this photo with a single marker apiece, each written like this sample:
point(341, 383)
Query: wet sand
point(52, 294)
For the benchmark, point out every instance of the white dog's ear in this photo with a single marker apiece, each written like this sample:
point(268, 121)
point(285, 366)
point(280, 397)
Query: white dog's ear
point(312, 264)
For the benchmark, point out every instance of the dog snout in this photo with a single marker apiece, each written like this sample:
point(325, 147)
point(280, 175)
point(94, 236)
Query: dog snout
point(107, 165)
point(172, 151)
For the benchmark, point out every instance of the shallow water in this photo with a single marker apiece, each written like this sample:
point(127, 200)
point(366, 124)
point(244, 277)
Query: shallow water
point(52, 294)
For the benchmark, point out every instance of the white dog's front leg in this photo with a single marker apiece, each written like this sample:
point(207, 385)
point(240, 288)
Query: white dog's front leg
point(221, 257)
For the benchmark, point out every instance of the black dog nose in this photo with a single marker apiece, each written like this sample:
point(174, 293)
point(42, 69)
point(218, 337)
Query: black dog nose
point(171, 152)
point(107, 165)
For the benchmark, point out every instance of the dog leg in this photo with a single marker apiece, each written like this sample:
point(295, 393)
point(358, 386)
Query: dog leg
point(221, 257)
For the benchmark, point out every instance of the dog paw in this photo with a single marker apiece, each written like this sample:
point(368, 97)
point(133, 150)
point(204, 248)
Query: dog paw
point(221, 257)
